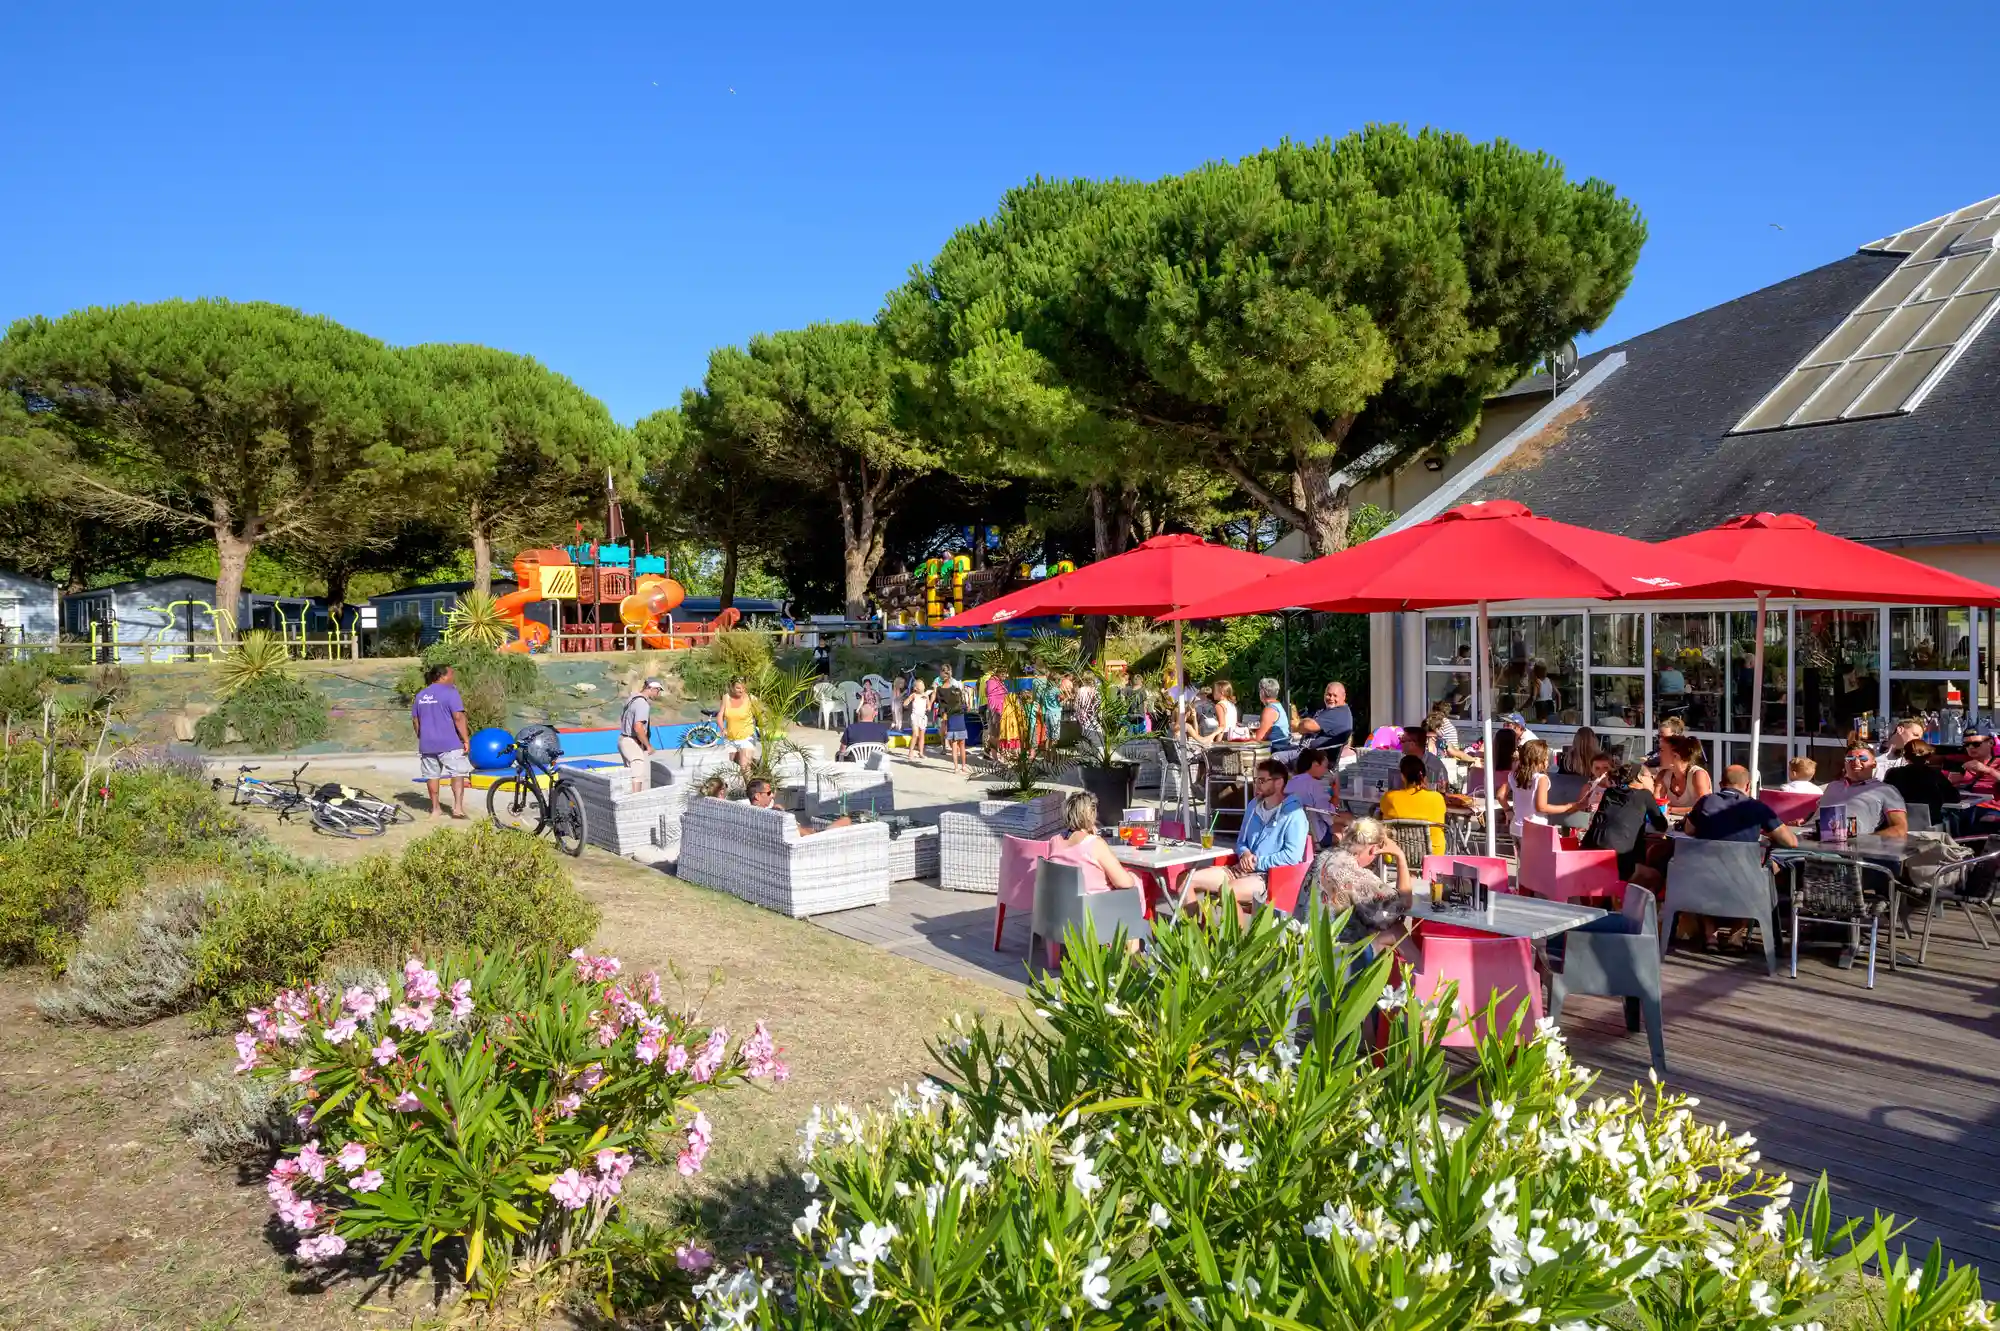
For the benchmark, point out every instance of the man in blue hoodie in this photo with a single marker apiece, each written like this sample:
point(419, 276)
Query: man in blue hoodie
point(1274, 835)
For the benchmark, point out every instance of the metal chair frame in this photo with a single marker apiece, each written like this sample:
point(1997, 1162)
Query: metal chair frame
point(1832, 889)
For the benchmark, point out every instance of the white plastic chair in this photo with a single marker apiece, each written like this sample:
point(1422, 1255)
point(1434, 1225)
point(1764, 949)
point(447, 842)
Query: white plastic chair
point(868, 755)
point(850, 700)
point(828, 699)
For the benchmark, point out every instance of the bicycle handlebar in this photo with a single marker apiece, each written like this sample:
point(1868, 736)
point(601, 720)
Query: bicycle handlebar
point(249, 767)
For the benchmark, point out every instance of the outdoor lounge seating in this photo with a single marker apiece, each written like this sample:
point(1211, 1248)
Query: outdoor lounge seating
point(1061, 902)
point(1554, 874)
point(619, 819)
point(849, 787)
point(1617, 966)
point(760, 856)
point(1725, 880)
point(969, 842)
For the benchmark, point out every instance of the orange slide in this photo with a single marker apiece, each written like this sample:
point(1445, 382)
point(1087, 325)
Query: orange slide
point(654, 596)
point(533, 634)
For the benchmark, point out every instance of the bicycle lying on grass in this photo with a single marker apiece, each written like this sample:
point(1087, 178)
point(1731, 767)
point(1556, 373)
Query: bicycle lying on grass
point(335, 810)
point(535, 797)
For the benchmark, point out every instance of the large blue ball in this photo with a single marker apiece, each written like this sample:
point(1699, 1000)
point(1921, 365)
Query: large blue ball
point(490, 748)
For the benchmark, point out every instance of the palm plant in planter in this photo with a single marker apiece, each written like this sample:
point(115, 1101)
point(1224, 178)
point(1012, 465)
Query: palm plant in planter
point(781, 694)
point(1025, 768)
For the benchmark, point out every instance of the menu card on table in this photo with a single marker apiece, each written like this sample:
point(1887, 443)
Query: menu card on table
point(1833, 822)
point(1464, 891)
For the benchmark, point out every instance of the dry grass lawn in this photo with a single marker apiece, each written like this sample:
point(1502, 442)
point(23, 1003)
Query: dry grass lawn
point(108, 1219)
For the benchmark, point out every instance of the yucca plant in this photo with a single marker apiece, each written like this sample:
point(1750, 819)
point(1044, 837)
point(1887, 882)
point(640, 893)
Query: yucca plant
point(477, 618)
point(260, 656)
point(782, 693)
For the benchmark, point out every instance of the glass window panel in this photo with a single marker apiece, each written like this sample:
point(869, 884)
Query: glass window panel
point(1770, 771)
point(1618, 700)
point(1741, 684)
point(1853, 331)
point(1895, 385)
point(1924, 699)
point(1448, 641)
point(1837, 672)
point(1776, 409)
point(1895, 288)
point(1617, 639)
point(1960, 313)
point(1985, 230)
point(1538, 667)
point(1940, 240)
point(1690, 667)
point(1907, 241)
point(1454, 689)
point(1897, 330)
point(1930, 637)
point(1944, 278)
point(1988, 276)
point(1849, 382)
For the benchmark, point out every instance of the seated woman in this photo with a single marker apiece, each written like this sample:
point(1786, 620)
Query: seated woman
point(1346, 879)
point(1226, 726)
point(1416, 801)
point(1683, 782)
point(1626, 811)
point(1081, 846)
point(1273, 726)
point(1921, 781)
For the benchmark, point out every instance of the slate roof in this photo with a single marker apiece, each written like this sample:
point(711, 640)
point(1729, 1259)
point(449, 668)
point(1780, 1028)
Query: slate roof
point(1649, 453)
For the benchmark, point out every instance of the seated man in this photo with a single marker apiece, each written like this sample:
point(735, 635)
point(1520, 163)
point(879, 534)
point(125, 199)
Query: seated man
point(864, 729)
point(1733, 814)
point(1274, 835)
point(1333, 724)
point(1313, 783)
point(758, 792)
point(1873, 804)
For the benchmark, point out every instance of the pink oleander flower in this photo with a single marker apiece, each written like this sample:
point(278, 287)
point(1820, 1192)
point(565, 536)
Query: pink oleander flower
point(412, 1018)
point(258, 1020)
point(698, 1139)
point(299, 1214)
point(246, 1051)
point(360, 1002)
point(352, 1157)
point(288, 1030)
point(588, 1079)
point(384, 1053)
point(594, 969)
point(286, 1168)
point(321, 1248)
point(313, 1161)
point(461, 999)
point(380, 993)
point(341, 1031)
point(291, 1003)
point(677, 1057)
point(709, 1061)
point(571, 1189)
point(366, 1181)
point(407, 1103)
point(300, 1076)
point(760, 1056)
point(420, 984)
point(607, 1035)
point(303, 1120)
point(568, 1105)
point(615, 1163)
point(280, 1193)
point(649, 985)
point(651, 1032)
point(693, 1260)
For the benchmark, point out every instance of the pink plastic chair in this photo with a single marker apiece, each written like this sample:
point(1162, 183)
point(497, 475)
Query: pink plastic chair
point(1793, 806)
point(1017, 880)
point(1492, 872)
point(1555, 874)
point(1481, 966)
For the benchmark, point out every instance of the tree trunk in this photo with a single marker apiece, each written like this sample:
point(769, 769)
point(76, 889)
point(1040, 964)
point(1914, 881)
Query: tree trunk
point(861, 538)
point(978, 547)
point(1324, 507)
point(336, 593)
point(232, 558)
point(727, 593)
point(482, 553)
point(1100, 523)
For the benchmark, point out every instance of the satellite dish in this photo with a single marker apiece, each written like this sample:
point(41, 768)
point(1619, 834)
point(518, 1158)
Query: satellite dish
point(1563, 363)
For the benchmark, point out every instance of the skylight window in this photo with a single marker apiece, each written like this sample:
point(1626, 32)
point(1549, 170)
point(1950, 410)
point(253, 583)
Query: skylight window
point(1886, 356)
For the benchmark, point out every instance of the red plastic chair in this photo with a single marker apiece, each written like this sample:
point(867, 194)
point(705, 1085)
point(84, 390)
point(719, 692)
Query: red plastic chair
point(1017, 880)
point(1555, 874)
point(1283, 884)
point(1482, 966)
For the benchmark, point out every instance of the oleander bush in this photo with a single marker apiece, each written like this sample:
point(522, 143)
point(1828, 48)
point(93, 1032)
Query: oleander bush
point(486, 1112)
point(1160, 1150)
point(485, 887)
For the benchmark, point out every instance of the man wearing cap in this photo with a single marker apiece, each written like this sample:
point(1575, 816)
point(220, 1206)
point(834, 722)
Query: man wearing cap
point(635, 724)
point(1981, 768)
point(1519, 725)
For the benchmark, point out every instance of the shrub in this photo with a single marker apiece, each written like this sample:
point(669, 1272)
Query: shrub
point(484, 887)
point(1160, 1150)
point(489, 680)
point(477, 618)
point(706, 671)
point(399, 637)
point(270, 713)
point(500, 1100)
point(261, 655)
point(232, 1117)
point(135, 963)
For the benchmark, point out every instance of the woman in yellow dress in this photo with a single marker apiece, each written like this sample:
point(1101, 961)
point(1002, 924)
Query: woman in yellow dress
point(737, 715)
point(1013, 724)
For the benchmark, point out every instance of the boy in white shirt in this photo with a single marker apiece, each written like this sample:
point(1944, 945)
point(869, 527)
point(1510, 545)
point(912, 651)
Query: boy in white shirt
point(1801, 771)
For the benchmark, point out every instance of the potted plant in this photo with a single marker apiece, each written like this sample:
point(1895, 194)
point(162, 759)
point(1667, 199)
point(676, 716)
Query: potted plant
point(1105, 771)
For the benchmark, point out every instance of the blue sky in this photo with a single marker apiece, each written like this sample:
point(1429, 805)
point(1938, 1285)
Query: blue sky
point(617, 188)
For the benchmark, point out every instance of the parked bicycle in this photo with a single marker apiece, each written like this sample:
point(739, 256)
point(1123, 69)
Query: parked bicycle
point(703, 734)
point(263, 793)
point(334, 809)
point(535, 797)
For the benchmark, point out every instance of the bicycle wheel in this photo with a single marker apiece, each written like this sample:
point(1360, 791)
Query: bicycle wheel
point(517, 802)
point(702, 735)
point(384, 811)
point(566, 818)
point(349, 823)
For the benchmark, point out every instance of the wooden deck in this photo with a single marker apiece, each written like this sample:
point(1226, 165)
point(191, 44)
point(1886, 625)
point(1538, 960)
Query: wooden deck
point(1893, 1092)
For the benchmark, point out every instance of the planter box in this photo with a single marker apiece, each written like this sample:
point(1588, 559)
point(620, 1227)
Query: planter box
point(1024, 817)
point(913, 853)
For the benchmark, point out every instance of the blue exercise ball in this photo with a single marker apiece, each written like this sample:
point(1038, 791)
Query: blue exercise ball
point(490, 748)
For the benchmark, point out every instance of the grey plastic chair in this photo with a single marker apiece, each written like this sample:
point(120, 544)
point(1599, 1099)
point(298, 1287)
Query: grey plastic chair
point(1832, 889)
point(1617, 966)
point(1920, 817)
point(1060, 902)
point(1940, 886)
point(1724, 879)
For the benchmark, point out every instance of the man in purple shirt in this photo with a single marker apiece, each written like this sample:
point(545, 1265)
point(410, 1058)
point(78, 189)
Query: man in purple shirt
point(438, 714)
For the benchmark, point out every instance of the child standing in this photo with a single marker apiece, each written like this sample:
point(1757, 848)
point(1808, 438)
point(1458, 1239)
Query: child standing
point(920, 716)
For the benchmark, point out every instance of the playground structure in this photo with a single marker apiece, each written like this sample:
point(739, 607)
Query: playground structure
point(116, 640)
point(590, 578)
point(948, 585)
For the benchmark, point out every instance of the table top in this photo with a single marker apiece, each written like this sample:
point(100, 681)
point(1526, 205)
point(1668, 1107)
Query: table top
point(1513, 916)
point(1160, 853)
point(1889, 849)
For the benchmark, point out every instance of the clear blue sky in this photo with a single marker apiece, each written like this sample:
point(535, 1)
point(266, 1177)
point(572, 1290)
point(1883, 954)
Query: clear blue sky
point(615, 189)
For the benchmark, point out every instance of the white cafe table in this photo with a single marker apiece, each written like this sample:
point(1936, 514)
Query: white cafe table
point(1513, 916)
